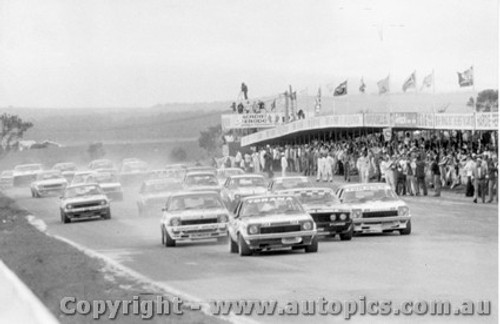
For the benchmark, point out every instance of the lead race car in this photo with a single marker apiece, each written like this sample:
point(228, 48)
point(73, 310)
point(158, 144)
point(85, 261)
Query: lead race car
point(330, 215)
point(240, 186)
point(194, 216)
point(376, 208)
point(262, 223)
point(84, 201)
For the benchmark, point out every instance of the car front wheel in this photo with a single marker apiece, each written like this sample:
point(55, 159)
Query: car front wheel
point(313, 248)
point(169, 241)
point(64, 218)
point(407, 230)
point(233, 246)
point(347, 236)
point(243, 248)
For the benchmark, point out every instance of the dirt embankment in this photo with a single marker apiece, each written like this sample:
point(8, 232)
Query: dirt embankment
point(53, 270)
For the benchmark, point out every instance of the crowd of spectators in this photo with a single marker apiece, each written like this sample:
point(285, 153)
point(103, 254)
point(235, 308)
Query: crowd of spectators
point(410, 164)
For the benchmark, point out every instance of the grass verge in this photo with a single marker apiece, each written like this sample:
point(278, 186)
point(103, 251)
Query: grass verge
point(53, 270)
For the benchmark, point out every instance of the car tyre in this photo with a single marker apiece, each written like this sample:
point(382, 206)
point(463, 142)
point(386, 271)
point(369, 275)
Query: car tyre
point(243, 248)
point(407, 230)
point(169, 242)
point(163, 236)
point(233, 246)
point(347, 236)
point(313, 248)
point(64, 219)
point(107, 215)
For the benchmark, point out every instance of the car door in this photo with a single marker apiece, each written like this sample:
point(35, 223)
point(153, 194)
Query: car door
point(233, 222)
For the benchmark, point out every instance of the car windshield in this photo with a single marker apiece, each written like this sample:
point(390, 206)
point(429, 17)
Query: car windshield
point(317, 197)
point(195, 202)
point(28, 168)
point(292, 183)
point(103, 178)
point(202, 180)
point(81, 191)
point(270, 206)
point(230, 172)
point(48, 176)
point(248, 182)
point(373, 194)
point(161, 187)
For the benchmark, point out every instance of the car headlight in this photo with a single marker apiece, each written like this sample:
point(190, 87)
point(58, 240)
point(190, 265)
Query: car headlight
point(69, 206)
point(175, 221)
point(103, 202)
point(307, 226)
point(333, 217)
point(343, 216)
point(222, 218)
point(357, 213)
point(403, 211)
point(237, 196)
point(253, 229)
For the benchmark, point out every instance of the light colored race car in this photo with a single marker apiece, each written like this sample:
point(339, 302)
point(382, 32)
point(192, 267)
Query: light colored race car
point(194, 216)
point(153, 194)
point(7, 179)
point(84, 201)
point(201, 181)
point(109, 183)
point(68, 169)
point(262, 223)
point(24, 174)
point(330, 215)
point(80, 176)
point(285, 183)
point(47, 183)
point(240, 186)
point(223, 174)
point(133, 172)
point(101, 164)
point(376, 208)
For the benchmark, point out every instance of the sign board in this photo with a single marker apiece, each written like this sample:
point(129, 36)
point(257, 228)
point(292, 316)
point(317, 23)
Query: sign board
point(237, 121)
point(387, 134)
point(225, 150)
point(404, 120)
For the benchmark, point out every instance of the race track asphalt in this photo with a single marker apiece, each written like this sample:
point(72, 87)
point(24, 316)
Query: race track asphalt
point(450, 255)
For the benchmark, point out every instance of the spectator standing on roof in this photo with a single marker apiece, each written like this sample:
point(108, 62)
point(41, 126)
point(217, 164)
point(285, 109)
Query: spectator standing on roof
point(244, 89)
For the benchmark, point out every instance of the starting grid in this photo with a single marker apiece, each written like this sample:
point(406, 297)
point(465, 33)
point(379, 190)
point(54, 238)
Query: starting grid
point(406, 120)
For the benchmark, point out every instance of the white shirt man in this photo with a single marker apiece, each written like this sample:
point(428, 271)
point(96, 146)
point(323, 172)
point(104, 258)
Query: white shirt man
point(284, 165)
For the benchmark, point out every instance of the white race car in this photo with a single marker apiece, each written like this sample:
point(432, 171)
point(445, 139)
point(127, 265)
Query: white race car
point(24, 174)
point(240, 186)
point(67, 169)
point(48, 182)
point(194, 216)
point(154, 194)
point(84, 201)
point(101, 164)
point(109, 183)
point(6, 179)
point(269, 222)
point(223, 174)
point(375, 208)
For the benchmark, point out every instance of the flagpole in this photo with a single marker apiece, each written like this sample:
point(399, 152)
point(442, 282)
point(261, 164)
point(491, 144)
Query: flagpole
point(433, 92)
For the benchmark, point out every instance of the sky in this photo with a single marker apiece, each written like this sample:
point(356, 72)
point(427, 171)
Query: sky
point(139, 53)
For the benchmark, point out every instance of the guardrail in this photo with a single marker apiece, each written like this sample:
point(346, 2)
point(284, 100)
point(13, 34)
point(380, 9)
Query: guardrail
point(18, 304)
point(405, 120)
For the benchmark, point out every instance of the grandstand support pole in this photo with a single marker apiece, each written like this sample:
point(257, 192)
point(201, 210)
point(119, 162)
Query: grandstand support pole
point(287, 115)
point(292, 110)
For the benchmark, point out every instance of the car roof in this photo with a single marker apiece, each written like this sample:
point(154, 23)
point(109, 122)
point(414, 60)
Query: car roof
point(369, 185)
point(199, 173)
point(65, 163)
point(292, 177)
point(266, 196)
point(310, 189)
point(29, 164)
point(239, 176)
point(82, 185)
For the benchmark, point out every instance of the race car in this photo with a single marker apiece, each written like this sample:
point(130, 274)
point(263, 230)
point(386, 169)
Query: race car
point(223, 174)
point(7, 179)
point(24, 174)
point(80, 176)
point(101, 164)
point(84, 201)
point(201, 181)
point(67, 169)
point(133, 172)
point(262, 223)
point(240, 186)
point(109, 183)
point(331, 217)
point(194, 216)
point(48, 182)
point(375, 208)
point(285, 183)
point(154, 193)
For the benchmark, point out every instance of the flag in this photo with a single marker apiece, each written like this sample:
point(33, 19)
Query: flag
point(273, 105)
point(466, 78)
point(362, 86)
point(383, 85)
point(341, 89)
point(293, 95)
point(428, 81)
point(411, 82)
point(318, 101)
